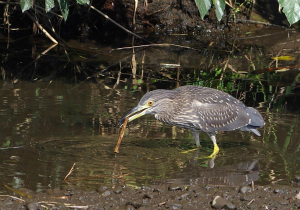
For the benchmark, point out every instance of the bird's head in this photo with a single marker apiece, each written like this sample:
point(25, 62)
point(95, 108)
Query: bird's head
point(154, 102)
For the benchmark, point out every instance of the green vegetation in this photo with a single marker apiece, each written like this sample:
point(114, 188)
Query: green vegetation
point(290, 8)
point(50, 4)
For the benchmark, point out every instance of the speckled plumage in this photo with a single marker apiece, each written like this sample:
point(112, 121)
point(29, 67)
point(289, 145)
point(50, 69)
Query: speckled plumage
point(199, 109)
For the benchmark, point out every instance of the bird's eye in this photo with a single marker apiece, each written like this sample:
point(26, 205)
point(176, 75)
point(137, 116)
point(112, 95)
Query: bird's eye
point(150, 103)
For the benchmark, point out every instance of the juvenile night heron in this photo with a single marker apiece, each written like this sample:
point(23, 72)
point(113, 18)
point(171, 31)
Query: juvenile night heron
point(198, 109)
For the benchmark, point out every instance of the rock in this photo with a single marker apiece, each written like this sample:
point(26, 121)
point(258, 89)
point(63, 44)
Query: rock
point(31, 206)
point(219, 203)
point(106, 193)
point(297, 178)
point(129, 207)
point(298, 196)
point(245, 189)
point(101, 189)
point(173, 206)
point(184, 195)
point(192, 188)
point(174, 187)
point(246, 198)
point(147, 196)
point(118, 189)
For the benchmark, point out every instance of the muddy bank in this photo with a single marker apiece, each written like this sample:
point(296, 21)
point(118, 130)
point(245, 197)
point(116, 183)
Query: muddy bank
point(170, 196)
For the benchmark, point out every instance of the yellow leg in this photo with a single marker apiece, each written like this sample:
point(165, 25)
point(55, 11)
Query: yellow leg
point(216, 148)
point(215, 152)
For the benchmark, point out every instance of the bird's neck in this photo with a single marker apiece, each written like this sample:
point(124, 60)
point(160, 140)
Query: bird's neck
point(166, 113)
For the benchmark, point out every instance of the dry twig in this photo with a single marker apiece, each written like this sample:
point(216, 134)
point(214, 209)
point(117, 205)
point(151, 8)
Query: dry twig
point(71, 170)
point(116, 150)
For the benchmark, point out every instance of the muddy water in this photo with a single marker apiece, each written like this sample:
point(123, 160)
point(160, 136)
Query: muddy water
point(45, 128)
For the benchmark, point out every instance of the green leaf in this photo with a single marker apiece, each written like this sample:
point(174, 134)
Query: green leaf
point(64, 8)
point(203, 6)
point(6, 144)
point(219, 8)
point(49, 4)
point(26, 4)
point(83, 1)
point(291, 9)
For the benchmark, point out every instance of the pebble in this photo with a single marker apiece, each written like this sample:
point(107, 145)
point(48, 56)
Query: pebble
point(173, 206)
point(192, 188)
point(147, 196)
point(174, 187)
point(106, 193)
point(184, 195)
point(118, 189)
point(298, 196)
point(219, 203)
point(31, 206)
point(297, 178)
point(101, 189)
point(129, 207)
point(246, 198)
point(245, 189)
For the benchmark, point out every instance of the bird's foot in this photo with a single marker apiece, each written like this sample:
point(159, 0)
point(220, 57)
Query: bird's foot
point(190, 150)
point(215, 152)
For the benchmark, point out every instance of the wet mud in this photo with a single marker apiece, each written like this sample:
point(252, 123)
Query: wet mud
point(164, 196)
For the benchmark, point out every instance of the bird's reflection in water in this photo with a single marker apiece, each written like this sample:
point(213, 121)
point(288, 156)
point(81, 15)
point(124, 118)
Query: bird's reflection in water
point(203, 172)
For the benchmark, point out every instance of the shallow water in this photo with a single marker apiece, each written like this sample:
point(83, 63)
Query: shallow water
point(49, 124)
point(45, 128)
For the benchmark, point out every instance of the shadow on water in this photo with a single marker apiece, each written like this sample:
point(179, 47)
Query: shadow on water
point(49, 124)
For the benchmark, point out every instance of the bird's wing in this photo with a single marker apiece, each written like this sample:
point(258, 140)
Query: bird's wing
point(211, 114)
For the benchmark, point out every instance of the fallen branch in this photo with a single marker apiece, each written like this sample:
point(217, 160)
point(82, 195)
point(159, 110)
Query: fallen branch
point(71, 170)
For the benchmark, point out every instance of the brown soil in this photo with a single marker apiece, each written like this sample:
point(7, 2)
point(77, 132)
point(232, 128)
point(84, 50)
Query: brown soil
point(170, 196)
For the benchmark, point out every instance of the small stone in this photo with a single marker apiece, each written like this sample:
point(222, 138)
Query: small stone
point(174, 206)
point(245, 189)
point(207, 187)
point(185, 195)
point(118, 189)
point(101, 189)
point(31, 206)
point(297, 178)
point(298, 196)
point(129, 207)
point(147, 196)
point(174, 187)
point(219, 203)
point(192, 188)
point(106, 193)
point(246, 198)
point(282, 201)
point(276, 191)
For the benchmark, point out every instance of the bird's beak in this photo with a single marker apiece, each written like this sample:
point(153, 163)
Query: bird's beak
point(135, 113)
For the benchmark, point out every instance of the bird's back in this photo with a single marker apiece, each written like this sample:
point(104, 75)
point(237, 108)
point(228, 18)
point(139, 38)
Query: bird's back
point(211, 110)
